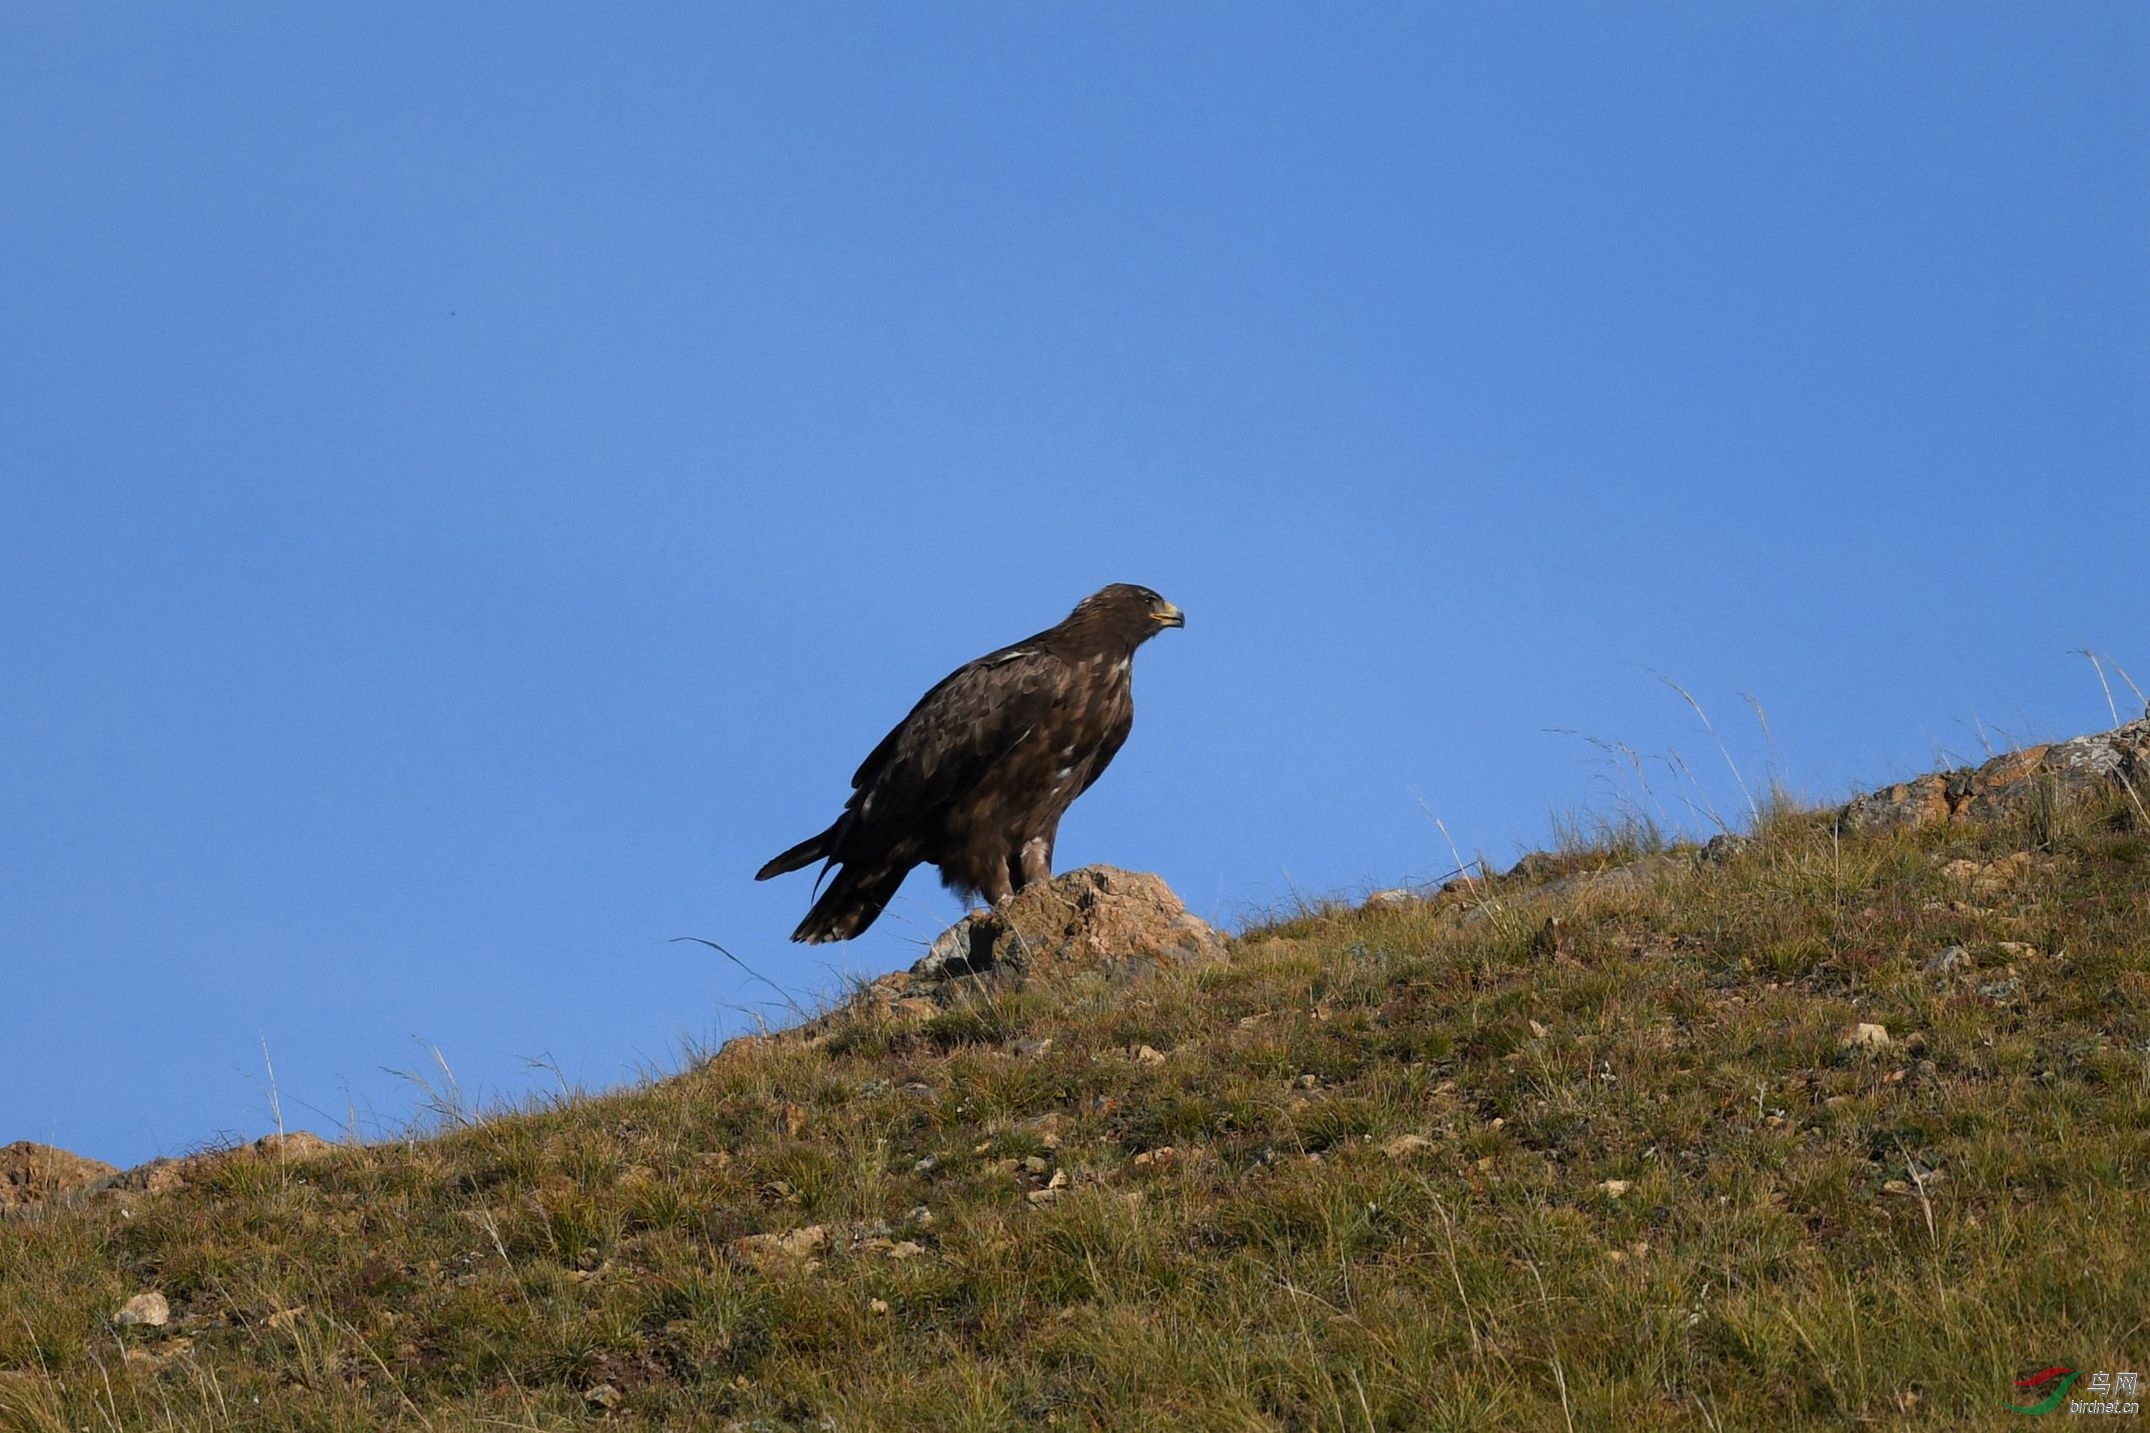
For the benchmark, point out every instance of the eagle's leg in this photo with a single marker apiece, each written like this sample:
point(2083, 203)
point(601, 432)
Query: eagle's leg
point(998, 884)
point(1033, 862)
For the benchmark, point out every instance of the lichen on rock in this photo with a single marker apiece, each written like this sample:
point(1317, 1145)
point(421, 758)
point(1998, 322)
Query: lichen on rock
point(1097, 917)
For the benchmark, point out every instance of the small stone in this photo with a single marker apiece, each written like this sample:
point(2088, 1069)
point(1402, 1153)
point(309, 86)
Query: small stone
point(150, 1310)
point(926, 1165)
point(1866, 1036)
point(1036, 1164)
point(1031, 1049)
point(769, 1251)
point(1539, 1031)
point(906, 1249)
point(152, 1357)
point(1148, 1055)
point(1614, 1188)
point(297, 1147)
point(1952, 958)
point(1163, 1155)
point(1724, 846)
point(1391, 899)
point(877, 1306)
point(1406, 1145)
point(603, 1396)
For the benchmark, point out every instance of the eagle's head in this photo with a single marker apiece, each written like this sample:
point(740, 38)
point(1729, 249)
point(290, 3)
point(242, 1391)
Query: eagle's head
point(1125, 614)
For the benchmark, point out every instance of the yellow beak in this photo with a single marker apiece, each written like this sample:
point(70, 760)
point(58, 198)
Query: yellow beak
point(1169, 616)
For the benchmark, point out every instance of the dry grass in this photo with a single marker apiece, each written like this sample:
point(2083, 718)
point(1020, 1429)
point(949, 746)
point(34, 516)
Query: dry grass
point(1366, 1187)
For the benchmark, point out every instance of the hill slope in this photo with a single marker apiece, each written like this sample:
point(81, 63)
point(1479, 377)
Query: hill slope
point(1605, 1142)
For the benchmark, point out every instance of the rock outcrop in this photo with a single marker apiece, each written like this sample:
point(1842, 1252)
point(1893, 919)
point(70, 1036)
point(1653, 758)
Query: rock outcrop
point(163, 1176)
point(2101, 763)
point(2011, 783)
point(1095, 917)
point(37, 1173)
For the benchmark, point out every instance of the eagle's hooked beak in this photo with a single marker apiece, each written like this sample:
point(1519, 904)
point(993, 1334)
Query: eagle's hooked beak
point(1168, 616)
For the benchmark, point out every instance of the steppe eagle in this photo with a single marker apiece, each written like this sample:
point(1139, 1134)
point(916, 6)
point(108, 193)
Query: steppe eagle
point(976, 778)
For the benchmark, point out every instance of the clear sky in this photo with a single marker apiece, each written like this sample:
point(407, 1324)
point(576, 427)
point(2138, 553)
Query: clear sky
point(474, 480)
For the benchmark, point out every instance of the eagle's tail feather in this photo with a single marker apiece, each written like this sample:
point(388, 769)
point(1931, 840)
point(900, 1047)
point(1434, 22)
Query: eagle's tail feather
point(853, 901)
point(813, 848)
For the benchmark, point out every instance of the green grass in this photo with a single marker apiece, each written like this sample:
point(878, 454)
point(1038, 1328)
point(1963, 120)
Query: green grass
point(1237, 1236)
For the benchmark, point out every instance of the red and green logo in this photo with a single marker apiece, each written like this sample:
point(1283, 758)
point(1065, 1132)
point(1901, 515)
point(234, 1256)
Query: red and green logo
point(2052, 1382)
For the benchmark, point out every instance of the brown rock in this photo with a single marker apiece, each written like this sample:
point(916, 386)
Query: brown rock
point(167, 1176)
point(769, 1252)
point(1923, 802)
point(150, 1309)
point(298, 1147)
point(155, 1358)
point(35, 1173)
point(1092, 918)
point(1985, 878)
point(2011, 782)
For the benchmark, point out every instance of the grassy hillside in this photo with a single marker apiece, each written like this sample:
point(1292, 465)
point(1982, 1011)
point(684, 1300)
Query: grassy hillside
point(1443, 1164)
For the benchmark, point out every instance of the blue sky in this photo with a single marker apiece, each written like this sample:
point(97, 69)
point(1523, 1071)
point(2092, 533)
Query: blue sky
point(477, 480)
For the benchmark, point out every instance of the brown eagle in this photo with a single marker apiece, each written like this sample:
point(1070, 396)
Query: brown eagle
point(976, 778)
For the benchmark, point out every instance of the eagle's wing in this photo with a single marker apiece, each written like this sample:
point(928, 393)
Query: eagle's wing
point(1106, 751)
point(975, 716)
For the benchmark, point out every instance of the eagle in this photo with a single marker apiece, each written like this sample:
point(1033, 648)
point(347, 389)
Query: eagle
point(976, 778)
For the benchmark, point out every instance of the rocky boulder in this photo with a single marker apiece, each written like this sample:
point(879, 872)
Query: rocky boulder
point(1092, 918)
point(1095, 918)
point(2011, 783)
point(37, 1173)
